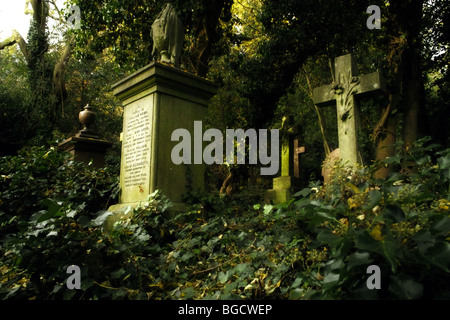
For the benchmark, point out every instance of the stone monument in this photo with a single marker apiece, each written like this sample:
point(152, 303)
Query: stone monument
point(86, 146)
point(344, 91)
point(157, 100)
point(284, 186)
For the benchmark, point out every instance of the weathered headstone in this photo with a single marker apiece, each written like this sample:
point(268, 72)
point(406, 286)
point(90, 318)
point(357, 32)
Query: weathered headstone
point(347, 86)
point(285, 185)
point(328, 166)
point(86, 146)
point(157, 100)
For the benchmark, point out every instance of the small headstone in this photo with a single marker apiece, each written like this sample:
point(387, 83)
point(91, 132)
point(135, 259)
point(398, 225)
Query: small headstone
point(285, 185)
point(86, 146)
point(328, 166)
point(347, 86)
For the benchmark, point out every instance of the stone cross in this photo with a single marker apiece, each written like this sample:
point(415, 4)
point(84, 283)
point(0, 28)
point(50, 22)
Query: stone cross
point(290, 157)
point(291, 150)
point(346, 87)
point(285, 185)
point(297, 150)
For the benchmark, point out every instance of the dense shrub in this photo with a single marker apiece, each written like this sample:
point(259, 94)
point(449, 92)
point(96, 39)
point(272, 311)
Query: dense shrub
point(317, 246)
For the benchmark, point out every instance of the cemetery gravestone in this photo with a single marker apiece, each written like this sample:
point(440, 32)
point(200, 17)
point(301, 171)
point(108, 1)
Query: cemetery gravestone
point(347, 86)
point(285, 185)
point(328, 167)
point(157, 100)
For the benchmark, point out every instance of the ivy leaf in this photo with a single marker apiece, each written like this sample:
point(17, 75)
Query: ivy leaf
point(405, 287)
point(442, 226)
point(359, 258)
point(330, 280)
point(268, 209)
point(394, 213)
point(439, 255)
point(303, 193)
point(224, 276)
point(385, 248)
point(327, 237)
point(101, 218)
point(53, 209)
point(444, 165)
point(374, 198)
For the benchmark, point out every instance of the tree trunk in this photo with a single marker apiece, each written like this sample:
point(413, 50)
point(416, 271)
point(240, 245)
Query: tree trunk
point(386, 144)
point(35, 59)
point(207, 36)
point(410, 19)
point(404, 62)
point(59, 83)
point(413, 97)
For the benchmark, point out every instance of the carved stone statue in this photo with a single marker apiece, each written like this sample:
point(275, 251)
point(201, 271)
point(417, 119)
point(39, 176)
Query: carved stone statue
point(168, 35)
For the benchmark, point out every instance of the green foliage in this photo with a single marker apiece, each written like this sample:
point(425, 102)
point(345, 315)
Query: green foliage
point(37, 173)
point(18, 121)
point(317, 246)
point(401, 224)
point(123, 28)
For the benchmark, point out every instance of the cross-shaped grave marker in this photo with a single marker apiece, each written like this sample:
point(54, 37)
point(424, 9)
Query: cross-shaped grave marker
point(297, 150)
point(347, 86)
point(287, 183)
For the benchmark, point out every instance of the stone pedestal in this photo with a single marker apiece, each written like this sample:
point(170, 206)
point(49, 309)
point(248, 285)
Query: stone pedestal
point(157, 100)
point(86, 146)
point(284, 188)
point(87, 149)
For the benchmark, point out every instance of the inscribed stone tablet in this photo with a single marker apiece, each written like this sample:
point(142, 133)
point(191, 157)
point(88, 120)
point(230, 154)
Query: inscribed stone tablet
point(135, 173)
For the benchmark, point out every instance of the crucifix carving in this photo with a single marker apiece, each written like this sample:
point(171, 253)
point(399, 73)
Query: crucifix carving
point(347, 86)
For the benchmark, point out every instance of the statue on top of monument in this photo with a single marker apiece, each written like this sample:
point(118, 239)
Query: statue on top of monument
point(168, 36)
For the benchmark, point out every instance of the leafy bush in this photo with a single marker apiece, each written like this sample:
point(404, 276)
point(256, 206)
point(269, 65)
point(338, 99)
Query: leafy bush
point(401, 224)
point(317, 246)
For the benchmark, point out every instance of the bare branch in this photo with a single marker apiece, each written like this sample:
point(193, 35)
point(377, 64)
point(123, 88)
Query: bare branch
point(60, 15)
point(319, 113)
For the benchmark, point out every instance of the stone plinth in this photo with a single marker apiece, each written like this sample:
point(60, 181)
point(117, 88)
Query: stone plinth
point(157, 100)
point(284, 188)
point(87, 149)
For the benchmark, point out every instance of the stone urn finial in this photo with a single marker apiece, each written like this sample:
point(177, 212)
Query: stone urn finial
point(87, 119)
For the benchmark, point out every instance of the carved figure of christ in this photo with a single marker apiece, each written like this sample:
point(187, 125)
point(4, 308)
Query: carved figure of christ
point(343, 92)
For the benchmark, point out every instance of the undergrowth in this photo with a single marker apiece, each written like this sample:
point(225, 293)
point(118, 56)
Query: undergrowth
point(316, 246)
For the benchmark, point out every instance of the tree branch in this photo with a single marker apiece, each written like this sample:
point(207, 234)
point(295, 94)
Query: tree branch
point(16, 38)
point(7, 43)
point(319, 113)
point(61, 17)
